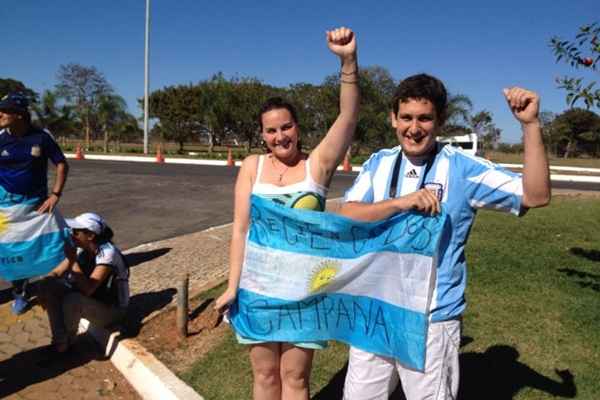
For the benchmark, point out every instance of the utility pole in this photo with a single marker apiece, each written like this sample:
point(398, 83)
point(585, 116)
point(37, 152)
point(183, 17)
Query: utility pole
point(146, 77)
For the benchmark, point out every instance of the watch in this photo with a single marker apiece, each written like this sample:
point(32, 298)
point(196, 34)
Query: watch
point(57, 194)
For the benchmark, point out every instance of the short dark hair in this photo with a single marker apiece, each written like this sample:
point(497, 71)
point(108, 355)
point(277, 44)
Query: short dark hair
point(422, 86)
point(275, 103)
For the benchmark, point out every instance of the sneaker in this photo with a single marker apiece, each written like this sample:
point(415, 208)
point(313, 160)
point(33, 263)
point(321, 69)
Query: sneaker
point(20, 305)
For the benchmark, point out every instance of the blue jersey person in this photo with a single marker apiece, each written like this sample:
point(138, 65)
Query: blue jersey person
point(24, 154)
point(422, 175)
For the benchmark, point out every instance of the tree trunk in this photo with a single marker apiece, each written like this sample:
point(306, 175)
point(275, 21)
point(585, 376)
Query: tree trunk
point(105, 139)
point(568, 149)
point(87, 135)
point(180, 151)
point(211, 142)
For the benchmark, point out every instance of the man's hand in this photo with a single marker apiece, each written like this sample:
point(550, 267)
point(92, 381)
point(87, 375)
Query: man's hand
point(524, 104)
point(342, 42)
point(423, 200)
point(49, 204)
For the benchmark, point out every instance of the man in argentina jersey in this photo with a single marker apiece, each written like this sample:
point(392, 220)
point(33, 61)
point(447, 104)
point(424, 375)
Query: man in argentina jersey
point(422, 175)
point(24, 154)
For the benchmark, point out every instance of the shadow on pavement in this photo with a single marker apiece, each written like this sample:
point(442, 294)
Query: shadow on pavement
point(41, 363)
point(141, 305)
point(140, 257)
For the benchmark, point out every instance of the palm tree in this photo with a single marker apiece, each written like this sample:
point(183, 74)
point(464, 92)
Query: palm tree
point(110, 113)
point(459, 110)
point(58, 119)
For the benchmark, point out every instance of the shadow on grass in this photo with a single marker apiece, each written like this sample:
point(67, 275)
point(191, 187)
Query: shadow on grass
point(41, 363)
point(586, 280)
point(142, 305)
point(134, 259)
point(498, 373)
point(494, 374)
point(592, 255)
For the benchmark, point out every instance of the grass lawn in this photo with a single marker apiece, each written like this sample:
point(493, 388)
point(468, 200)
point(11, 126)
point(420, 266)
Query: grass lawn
point(532, 328)
point(512, 158)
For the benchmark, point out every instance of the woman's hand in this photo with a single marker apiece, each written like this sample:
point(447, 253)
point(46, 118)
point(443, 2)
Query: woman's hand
point(224, 300)
point(49, 204)
point(341, 42)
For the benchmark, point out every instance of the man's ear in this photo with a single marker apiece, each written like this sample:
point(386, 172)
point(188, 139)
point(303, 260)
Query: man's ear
point(393, 119)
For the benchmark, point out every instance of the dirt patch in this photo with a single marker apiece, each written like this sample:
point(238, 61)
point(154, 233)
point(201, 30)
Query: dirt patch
point(205, 331)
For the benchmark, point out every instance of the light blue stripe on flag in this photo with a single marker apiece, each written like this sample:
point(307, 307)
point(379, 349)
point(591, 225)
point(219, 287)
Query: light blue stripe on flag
point(310, 276)
point(31, 244)
point(31, 258)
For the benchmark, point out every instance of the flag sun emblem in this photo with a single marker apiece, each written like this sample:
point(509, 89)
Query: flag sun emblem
point(3, 223)
point(323, 273)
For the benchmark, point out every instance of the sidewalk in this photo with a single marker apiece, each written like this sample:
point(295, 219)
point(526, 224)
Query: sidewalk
point(29, 371)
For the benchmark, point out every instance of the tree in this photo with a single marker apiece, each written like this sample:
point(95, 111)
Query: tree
point(459, 109)
point(549, 133)
point(57, 118)
point(179, 112)
point(483, 125)
point(578, 130)
point(82, 87)
point(111, 112)
point(583, 52)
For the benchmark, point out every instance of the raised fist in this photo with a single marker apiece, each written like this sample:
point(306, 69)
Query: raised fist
point(342, 42)
point(524, 104)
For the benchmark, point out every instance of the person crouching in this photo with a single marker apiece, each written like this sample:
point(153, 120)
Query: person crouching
point(92, 282)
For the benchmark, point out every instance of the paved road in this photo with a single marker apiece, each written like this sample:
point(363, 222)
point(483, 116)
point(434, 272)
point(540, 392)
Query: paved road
point(145, 202)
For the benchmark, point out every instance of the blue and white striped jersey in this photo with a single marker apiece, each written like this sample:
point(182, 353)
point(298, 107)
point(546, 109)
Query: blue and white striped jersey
point(466, 183)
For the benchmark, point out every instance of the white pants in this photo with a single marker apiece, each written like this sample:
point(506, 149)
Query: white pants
point(373, 377)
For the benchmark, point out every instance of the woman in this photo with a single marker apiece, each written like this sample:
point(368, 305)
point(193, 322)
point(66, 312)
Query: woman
point(285, 173)
point(91, 284)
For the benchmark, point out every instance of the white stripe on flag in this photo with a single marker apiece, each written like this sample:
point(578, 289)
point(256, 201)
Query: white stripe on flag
point(404, 280)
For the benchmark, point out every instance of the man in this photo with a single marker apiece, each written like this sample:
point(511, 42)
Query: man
point(24, 154)
point(422, 175)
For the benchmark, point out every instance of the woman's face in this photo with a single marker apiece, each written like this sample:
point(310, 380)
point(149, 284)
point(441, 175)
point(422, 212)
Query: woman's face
point(82, 238)
point(280, 133)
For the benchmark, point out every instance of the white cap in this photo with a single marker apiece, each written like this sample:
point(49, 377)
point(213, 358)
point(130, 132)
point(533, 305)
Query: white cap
point(90, 221)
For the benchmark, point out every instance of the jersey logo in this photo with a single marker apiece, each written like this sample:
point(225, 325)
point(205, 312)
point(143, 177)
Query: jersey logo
point(411, 174)
point(436, 188)
point(5, 153)
point(36, 151)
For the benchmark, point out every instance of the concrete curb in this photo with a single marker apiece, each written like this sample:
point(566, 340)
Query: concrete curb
point(151, 379)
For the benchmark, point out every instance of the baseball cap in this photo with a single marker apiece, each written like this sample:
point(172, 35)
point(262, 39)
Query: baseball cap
point(90, 221)
point(14, 102)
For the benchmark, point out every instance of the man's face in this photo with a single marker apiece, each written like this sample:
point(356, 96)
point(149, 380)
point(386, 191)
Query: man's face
point(8, 119)
point(416, 126)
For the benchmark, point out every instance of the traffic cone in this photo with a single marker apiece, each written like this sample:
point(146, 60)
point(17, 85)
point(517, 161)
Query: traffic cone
point(230, 162)
point(159, 155)
point(347, 167)
point(79, 153)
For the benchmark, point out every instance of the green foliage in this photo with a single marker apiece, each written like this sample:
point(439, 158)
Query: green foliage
point(582, 52)
point(576, 131)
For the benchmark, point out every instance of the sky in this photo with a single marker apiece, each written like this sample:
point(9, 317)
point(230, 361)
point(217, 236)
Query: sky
point(475, 47)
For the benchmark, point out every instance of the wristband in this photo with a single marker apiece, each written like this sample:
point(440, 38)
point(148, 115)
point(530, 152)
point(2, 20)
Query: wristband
point(57, 194)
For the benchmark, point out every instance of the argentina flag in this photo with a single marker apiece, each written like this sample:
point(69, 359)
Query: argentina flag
point(311, 276)
point(31, 244)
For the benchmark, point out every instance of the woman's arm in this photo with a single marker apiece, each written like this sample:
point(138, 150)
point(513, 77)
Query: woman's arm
point(328, 154)
point(241, 222)
point(88, 285)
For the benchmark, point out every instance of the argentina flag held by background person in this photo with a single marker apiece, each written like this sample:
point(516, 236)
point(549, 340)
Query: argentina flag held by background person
point(31, 243)
point(319, 276)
